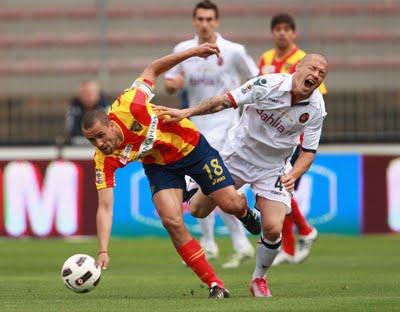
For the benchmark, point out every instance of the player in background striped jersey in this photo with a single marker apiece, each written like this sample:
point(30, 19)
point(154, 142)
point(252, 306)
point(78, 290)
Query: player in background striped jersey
point(283, 58)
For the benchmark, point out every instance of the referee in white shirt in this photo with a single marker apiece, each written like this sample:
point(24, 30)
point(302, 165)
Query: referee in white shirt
point(201, 79)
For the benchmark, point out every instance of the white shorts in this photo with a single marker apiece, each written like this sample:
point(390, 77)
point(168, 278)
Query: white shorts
point(263, 182)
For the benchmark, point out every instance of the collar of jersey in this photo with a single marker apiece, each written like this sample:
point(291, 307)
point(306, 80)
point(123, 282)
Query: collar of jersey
point(219, 38)
point(286, 86)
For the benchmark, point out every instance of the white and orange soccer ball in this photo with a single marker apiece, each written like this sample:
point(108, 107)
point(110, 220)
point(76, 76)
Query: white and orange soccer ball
point(80, 273)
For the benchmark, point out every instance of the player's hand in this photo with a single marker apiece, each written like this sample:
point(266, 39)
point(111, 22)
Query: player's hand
point(103, 259)
point(177, 82)
point(169, 114)
point(288, 181)
point(207, 49)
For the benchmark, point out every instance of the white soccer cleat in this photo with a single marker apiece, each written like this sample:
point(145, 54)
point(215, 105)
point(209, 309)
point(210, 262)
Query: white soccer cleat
point(237, 258)
point(210, 249)
point(259, 288)
point(282, 258)
point(211, 254)
point(304, 246)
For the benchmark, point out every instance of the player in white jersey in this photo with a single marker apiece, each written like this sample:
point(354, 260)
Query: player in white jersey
point(277, 109)
point(203, 78)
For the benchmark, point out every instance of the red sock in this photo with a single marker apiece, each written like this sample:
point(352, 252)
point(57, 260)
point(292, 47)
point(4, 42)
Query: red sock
point(288, 238)
point(298, 218)
point(194, 257)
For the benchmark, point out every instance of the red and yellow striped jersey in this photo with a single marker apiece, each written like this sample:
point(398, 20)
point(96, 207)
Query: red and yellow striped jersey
point(145, 137)
point(268, 64)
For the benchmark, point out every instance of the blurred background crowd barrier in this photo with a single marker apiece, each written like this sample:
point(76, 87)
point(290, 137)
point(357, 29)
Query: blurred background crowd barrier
point(344, 193)
point(48, 47)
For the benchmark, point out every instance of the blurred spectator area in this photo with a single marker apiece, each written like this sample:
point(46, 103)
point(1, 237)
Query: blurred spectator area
point(48, 47)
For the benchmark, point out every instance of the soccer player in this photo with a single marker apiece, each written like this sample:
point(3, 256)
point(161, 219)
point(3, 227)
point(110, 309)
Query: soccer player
point(169, 151)
point(276, 109)
point(283, 58)
point(202, 79)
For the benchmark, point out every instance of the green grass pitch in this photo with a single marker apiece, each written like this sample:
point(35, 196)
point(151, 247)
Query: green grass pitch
point(342, 274)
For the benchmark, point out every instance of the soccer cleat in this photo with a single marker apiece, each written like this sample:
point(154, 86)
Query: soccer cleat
point(283, 257)
point(304, 246)
point(237, 258)
point(251, 222)
point(259, 288)
point(217, 292)
point(211, 254)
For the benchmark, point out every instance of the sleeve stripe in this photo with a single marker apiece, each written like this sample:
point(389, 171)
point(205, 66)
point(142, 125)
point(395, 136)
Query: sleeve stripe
point(148, 82)
point(308, 150)
point(145, 86)
point(232, 100)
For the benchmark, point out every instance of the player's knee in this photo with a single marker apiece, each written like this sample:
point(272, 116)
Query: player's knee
point(198, 214)
point(172, 222)
point(196, 211)
point(233, 204)
point(225, 204)
point(271, 232)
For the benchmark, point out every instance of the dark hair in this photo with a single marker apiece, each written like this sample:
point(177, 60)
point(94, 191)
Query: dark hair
point(90, 118)
point(283, 18)
point(207, 5)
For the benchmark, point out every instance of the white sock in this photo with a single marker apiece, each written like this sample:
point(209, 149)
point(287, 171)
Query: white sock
point(207, 239)
point(265, 255)
point(240, 242)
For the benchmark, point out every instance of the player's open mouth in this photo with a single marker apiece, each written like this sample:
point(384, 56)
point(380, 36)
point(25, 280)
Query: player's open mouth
point(309, 83)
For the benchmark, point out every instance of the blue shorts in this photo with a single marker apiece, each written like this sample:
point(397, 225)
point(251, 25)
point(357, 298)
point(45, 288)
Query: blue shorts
point(203, 164)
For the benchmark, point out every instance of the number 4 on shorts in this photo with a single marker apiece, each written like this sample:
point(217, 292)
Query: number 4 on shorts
point(278, 184)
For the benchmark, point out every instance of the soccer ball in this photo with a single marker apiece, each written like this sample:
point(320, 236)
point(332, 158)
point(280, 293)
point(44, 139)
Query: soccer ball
point(80, 273)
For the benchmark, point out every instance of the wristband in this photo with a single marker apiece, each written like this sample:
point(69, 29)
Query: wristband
point(102, 251)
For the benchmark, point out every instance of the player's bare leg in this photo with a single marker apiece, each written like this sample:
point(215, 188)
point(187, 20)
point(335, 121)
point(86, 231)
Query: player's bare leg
point(201, 205)
point(169, 209)
point(169, 206)
point(229, 201)
point(272, 216)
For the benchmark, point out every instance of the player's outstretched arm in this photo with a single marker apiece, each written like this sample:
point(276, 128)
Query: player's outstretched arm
point(165, 63)
point(104, 223)
point(208, 106)
point(302, 164)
